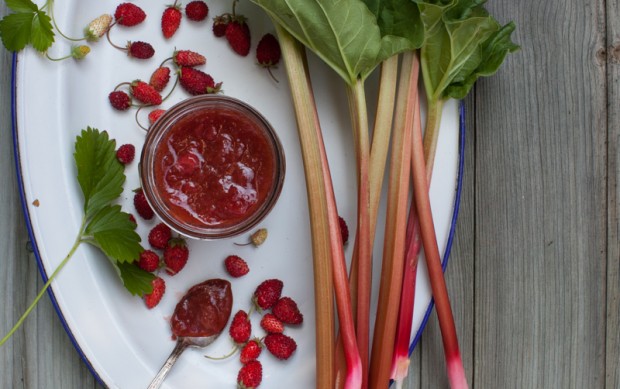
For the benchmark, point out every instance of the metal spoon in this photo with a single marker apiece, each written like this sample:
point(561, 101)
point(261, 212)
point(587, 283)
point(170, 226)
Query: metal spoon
point(182, 344)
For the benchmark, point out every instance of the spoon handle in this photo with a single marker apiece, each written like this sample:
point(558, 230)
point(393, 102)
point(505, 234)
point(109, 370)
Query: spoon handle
point(163, 372)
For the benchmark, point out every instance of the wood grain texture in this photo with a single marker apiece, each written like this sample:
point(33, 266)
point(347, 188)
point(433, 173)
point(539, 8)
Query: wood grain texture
point(541, 203)
point(612, 378)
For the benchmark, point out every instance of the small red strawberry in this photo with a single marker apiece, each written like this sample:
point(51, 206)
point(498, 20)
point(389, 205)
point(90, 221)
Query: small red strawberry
point(188, 58)
point(219, 25)
point(251, 351)
point(238, 36)
point(128, 14)
point(159, 236)
point(149, 261)
point(287, 311)
point(196, 10)
point(176, 255)
point(142, 206)
point(133, 219)
point(160, 77)
point(140, 50)
point(271, 324)
point(280, 345)
point(126, 153)
point(197, 82)
point(268, 52)
point(120, 100)
point(155, 114)
point(344, 230)
point(267, 293)
point(236, 266)
point(171, 20)
point(250, 375)
point(153, 298)
point(145, 93)
point(240, 327)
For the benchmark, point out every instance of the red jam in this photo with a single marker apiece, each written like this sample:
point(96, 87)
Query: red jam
point(204, 310)
point(215, 167)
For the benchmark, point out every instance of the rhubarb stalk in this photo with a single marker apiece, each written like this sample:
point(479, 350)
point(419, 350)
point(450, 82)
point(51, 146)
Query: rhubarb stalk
point(395, 230)
point(327, 241)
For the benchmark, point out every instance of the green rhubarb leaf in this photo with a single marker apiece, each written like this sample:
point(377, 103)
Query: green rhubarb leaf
point(343, 33)
point(114, 233)
point(400, 24)
point(99, 173)
point(137, 281)
point(23, 6)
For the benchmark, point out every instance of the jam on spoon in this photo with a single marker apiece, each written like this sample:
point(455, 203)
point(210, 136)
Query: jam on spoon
point(198, 319)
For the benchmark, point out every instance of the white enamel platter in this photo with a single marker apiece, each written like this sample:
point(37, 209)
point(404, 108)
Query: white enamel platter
point(123, 343)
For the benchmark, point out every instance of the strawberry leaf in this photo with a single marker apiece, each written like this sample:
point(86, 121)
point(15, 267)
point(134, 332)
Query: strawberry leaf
point(137, 281)
point(41, 36)
point(22, 6)
point(15, 30)
point(99, 173)
point(114, 233)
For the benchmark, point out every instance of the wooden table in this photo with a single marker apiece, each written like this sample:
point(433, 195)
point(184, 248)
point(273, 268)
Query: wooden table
point(535, 270)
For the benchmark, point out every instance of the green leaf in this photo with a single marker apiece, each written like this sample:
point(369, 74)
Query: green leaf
point(22, 6)
point(137, 281)
point(457, 49)
point(400, 24)
point(344, 33)
point(15, 30)
point(114, 233)
point(42, 35)
point(99, 173)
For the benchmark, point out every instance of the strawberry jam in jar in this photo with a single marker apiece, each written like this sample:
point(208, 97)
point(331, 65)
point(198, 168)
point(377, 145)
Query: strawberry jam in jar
point(212, 167)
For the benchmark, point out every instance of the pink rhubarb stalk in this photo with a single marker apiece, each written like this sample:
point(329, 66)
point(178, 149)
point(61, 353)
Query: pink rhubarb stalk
point(456, 373)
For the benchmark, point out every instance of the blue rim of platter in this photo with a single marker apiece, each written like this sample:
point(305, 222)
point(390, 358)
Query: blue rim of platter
point(20, 184)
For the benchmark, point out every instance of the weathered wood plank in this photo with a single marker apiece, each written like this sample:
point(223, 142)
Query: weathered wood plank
point(540, 203)
point(613, 190)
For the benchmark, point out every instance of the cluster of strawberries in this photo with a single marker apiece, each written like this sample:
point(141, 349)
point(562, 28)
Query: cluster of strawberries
point(284, 311)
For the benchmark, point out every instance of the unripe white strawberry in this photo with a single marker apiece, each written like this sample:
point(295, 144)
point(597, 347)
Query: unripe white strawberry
point(97, 27)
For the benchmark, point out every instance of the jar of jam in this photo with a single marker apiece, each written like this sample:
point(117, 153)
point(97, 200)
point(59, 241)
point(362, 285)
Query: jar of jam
point(212, 167)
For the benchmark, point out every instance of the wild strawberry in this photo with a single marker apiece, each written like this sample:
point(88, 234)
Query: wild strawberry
point(153, 298)
point(126, 153)
point(236, 266)
point(155, 114)
point(132, 219)
point(251, 351)
point(145, 93)
point(120, 100)
point(267, 293)
point(196, 10)
point(159, 236)
point(238, 36)
point(160, 77)
point(240, 327)
point(128, 14)
point(142, 206)
point(271, 324)
point(197, 82)
point(280, 345)
point(344, 230)
point(97, 28)
point(257, 238)
point(149, 261)
point(268, 52)
point(250, 375)
point(219, 25)
point(171, 20)
point(176, 254)
point(140, 50)
point(188, 58)
point(287, 311)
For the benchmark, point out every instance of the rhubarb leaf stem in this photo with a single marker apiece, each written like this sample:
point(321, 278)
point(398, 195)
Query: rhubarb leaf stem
point(431, 133)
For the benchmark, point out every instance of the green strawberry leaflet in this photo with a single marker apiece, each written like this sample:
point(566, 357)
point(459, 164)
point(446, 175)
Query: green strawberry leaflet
point(27, 25)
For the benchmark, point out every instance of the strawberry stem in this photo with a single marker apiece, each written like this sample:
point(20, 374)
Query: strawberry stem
point(225, 356)
point(50, 8)
point(107, 35)
point(62, 264)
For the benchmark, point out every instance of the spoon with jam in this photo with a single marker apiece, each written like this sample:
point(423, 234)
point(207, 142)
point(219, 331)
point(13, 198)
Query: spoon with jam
point(198, 319)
